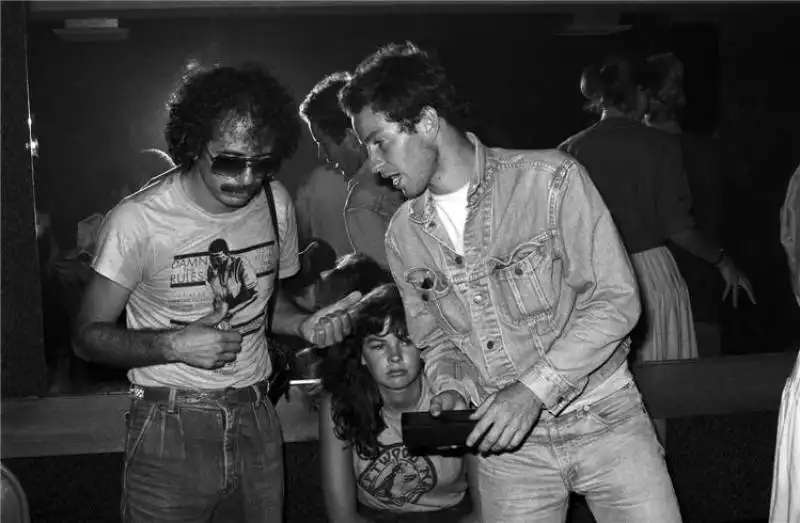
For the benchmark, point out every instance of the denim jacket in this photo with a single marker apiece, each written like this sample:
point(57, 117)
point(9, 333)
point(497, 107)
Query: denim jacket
point(544, 294)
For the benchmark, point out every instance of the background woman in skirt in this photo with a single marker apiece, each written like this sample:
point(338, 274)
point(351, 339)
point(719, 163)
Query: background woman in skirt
point(785, 506)
point(638, 171)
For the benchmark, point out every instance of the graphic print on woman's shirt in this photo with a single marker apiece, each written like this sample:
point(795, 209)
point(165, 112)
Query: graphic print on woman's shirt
point(396, 477)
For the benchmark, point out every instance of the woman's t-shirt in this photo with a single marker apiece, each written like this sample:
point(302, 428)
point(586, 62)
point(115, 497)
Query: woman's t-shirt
point(397, 481)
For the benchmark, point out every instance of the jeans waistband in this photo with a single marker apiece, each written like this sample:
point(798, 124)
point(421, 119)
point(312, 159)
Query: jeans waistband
point(170, 395)
point(610, 366)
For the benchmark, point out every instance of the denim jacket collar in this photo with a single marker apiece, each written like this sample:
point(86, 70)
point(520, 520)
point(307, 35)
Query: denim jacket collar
point(422, 207)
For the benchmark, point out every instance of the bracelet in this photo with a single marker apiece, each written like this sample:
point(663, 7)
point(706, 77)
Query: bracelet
point(722, 256)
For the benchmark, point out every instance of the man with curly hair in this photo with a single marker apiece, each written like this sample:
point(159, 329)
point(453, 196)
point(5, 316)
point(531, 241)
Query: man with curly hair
point(203, 442)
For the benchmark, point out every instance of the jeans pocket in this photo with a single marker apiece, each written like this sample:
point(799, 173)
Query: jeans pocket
point(527, 283)
point(139, 418)
point(620, 407)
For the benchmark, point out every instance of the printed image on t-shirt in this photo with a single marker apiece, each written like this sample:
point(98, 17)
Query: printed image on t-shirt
point(396, 477)
point(222, 274)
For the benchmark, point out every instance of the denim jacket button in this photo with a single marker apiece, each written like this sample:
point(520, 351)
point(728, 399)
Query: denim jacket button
point(425, 297)
point(490, 344)
point(459, 260)
point(518, 271)
point(478, 298)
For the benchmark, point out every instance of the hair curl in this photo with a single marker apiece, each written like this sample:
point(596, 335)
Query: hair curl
point(399, 81)
point(206, 96)
point(356, 402)
point(321, 106)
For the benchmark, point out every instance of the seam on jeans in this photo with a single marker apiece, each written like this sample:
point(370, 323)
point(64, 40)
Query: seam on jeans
point(130, 454)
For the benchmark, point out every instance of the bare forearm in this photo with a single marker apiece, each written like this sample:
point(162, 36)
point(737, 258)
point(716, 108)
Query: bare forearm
point(114, 345)
point(288, 317)
point(692, 241)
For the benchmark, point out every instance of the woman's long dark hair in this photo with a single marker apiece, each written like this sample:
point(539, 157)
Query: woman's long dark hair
point(356, 402)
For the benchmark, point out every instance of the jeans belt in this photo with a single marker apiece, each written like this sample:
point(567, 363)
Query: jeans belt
point(610, 366)
point(252, 394)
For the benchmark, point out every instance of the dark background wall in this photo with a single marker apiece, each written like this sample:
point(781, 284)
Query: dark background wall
point(97, 104)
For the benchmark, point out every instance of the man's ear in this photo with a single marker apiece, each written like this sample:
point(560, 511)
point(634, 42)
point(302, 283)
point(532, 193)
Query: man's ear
point(428, 125)
point(351, 140)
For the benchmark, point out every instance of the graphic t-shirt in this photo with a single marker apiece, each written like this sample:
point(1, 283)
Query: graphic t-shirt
point(400, 482)
point(178, 259)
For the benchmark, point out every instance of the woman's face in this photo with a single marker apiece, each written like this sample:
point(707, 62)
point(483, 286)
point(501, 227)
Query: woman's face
point(394, 363)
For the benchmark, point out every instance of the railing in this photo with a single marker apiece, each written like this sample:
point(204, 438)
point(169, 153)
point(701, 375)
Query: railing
point(90, 424)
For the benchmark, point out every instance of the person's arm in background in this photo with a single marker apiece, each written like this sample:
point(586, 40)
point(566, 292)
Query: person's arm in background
point(338, 477)
point(673, 206)
point(606, 309)
point(452, 375)
point(790, 231)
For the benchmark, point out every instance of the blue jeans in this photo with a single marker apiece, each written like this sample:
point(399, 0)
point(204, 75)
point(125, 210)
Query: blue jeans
point(199, 459)
point(606, 451)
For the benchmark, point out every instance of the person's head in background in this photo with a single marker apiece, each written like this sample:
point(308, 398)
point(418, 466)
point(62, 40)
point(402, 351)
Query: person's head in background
point(376, 365)
point(667, 98)
point(230, 129)
point(619, 86)
point(407, 113)
point(352, 272)
point(330, 127)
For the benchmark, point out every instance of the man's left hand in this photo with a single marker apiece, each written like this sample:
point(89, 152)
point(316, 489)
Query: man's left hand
point(505, 418)
point(331, 324)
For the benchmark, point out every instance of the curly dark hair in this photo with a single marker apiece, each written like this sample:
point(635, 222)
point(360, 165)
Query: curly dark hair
point(206, 96)
point(356, 402)
point(321, 106)
point(399, 80)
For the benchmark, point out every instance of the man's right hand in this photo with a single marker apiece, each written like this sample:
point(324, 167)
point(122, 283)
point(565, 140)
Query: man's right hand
point(201, 344)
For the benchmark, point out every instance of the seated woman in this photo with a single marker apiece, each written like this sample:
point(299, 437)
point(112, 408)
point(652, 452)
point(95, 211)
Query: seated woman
point(368, 475)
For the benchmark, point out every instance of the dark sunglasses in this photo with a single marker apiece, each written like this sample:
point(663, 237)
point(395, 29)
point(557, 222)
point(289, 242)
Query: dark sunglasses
point(233, 166)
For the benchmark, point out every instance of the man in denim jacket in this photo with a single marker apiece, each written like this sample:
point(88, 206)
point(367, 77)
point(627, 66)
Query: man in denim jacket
point(515, 280)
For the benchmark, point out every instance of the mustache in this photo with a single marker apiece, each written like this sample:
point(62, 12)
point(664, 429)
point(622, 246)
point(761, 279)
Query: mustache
point(239, 188)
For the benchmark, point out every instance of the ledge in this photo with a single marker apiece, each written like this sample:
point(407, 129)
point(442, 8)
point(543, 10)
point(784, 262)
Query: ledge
point(92, 424)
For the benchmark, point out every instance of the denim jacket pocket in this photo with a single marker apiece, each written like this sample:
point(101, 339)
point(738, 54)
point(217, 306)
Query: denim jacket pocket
point(527, 283)
point(439, 299)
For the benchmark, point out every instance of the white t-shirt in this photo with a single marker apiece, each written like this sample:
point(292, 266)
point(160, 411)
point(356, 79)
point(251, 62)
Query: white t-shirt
point(158, 243)
point(452, 211)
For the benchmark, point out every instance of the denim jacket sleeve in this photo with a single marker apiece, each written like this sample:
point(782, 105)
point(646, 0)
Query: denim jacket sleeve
point(446, 366)
point(606, 306)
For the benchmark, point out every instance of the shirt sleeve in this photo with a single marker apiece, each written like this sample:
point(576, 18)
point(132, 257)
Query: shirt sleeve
point(606, 306)
point(790, 230)
point(366, 230)
point(121, 245)
point(287, 229)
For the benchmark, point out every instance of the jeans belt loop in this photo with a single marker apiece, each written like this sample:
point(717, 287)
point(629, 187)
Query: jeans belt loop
point(259, 396)
point(173, 396)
